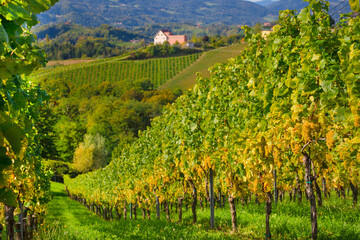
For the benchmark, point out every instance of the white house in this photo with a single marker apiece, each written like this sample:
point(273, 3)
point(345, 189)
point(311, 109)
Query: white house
point(160, 37)
point(166, 35)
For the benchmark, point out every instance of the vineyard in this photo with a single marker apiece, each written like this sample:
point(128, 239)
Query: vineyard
point(274, 132)
point(112, 70)
point(281, 119)
point(187, 78)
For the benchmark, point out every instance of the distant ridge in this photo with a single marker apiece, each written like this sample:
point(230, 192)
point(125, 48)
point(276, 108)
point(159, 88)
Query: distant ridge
point(133, 13)
point(130, 13)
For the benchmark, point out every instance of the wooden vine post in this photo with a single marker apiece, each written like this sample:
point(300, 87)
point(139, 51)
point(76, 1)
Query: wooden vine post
point(21, 220)
point(180, 202)
point(131, 211)
point(275, 188)
point(212, 207)
point(157, 207)
point(18, 231)
point(194, 202)
point(268, 213)
point(30, 223)
point(355, 193)
point(9, 221)
point(309, 191)
point(233, 213)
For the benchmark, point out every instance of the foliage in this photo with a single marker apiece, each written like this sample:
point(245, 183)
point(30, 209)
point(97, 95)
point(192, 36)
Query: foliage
point(257, 28)
point(114, 111)
point(190, 30)
point(141, 12)
point(116, 70)
point(90, 154)
point(22, 176)
point(60, 168)
point(66, 41)
point(160, 50)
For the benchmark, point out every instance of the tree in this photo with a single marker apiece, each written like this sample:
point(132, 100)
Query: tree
point(91, 154)
point(257, 28)
point(206, 39)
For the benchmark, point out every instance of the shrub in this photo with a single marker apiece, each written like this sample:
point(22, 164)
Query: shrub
point(90, 154)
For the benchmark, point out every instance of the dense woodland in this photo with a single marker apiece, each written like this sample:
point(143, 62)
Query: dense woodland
point(66, 41)
point(113, 111)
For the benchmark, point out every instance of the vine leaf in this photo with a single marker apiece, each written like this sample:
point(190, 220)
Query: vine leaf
point(11, 132)
point(354, 5)
point(3, 34)
point(7, 197)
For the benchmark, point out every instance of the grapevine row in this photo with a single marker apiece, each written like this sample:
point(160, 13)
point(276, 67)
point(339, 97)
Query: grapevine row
point(157, 70)
point(290, 103)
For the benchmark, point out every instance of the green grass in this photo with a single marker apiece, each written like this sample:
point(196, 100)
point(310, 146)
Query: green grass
point(68, 219)
point(186, 79)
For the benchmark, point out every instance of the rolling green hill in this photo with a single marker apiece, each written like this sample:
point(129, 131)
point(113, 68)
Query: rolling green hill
point(173, 73)
point(115, 69)
point(186, 79)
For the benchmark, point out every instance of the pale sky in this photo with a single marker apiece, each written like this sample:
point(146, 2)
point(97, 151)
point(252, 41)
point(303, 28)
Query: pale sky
point(260, 0)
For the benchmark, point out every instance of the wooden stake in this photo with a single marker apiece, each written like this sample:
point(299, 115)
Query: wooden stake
point(275, 188)
point(212, 207)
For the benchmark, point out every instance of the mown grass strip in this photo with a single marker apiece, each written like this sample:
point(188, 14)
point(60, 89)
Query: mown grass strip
point(68, 219)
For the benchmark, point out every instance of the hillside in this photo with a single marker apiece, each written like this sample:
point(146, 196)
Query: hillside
point(186, 79)
point(72, 32)
point(112, 70)
point(129, 14)
point(167, 73)
point(67, 41)
point(139, 12)
point(336, 7)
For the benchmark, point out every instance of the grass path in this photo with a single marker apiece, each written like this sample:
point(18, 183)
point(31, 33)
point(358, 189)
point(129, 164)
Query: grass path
point(68, 219)
point(72, 220)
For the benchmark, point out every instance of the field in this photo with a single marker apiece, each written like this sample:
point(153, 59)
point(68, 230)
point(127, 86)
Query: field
point(186, 79)
point(114, 70)
point(68, 219)
point(175, 72)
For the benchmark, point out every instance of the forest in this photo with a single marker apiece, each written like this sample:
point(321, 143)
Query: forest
point(113, 112)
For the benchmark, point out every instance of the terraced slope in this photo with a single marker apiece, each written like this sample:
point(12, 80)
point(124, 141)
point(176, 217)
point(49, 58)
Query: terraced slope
point(115, 69)
point(186, 79)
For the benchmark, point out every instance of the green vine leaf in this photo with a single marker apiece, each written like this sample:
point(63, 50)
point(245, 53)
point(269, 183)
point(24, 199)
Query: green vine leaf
point(354, 5)
point(7, 197)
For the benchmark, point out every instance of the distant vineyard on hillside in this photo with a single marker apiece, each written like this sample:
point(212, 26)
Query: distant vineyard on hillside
point(158, 71)
point(186, 78)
